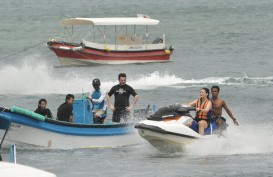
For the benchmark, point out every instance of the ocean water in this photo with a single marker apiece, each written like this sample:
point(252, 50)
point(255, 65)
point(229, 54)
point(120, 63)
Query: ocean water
point(225, 43)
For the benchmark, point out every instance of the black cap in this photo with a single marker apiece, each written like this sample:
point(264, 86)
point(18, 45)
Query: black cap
point(96, 82)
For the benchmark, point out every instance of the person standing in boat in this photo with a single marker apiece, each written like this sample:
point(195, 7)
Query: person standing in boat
point(203, 110)
point(217, 105)
point(121, 92)
point(98, 98)
point(42, 110)
point(65, 110)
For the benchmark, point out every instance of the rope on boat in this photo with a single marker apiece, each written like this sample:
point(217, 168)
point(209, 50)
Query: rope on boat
point(77, 52)
point(15, 53)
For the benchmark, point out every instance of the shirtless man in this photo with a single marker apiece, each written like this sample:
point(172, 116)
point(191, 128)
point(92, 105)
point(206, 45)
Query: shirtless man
point(218, 104)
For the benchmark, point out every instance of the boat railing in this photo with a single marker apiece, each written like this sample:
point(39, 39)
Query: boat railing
point(63, 39)
point(122, 43)
point(129, 40)
point(124, 46)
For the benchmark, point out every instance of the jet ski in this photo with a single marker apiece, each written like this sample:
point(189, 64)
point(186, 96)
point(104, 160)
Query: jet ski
point(172, 128)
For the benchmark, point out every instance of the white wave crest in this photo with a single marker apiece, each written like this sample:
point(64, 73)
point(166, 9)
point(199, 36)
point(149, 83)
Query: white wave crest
point(240, 140)
point(32, 78)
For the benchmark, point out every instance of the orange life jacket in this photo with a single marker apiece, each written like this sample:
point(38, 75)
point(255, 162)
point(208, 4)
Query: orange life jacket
point(201, 114)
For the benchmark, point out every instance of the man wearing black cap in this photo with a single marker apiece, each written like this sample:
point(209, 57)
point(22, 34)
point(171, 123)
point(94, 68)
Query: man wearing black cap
point(122, 92)
point(98, 99)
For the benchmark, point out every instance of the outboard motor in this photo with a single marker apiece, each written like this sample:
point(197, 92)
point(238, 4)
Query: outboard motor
point(158, 40)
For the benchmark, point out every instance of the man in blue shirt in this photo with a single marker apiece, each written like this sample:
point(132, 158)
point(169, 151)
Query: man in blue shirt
point(98, 99)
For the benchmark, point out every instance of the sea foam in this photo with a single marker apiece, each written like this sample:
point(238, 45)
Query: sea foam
point(246, 139)
point(38, 78)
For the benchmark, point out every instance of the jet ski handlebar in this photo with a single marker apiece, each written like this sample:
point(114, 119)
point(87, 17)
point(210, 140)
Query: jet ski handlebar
point(189, 108)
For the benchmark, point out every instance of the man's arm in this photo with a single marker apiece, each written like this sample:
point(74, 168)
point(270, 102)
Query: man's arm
point(71, 119)
point(133, 103)
point(89, 97)
point(230, 113)
point(101, 98)
point(49, 114)
point(110, 102)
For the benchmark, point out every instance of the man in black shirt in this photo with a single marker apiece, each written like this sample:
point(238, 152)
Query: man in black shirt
point(65, 110)
point(122, 92)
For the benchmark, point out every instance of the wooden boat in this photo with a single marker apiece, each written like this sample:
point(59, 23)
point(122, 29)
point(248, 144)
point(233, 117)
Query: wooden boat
point(110, 41)
point(26, 127)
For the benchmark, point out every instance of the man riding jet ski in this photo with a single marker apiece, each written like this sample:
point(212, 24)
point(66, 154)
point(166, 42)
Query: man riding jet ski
point(173, 126)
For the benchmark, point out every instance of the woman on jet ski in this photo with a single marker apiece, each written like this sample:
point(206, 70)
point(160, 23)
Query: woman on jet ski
point(203, 106)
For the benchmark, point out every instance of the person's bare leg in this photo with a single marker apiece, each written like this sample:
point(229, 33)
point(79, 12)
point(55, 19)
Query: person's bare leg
point(202, 125)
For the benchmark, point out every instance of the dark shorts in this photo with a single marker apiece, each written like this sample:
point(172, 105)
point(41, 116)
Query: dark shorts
point(120, 114)
point(215, 118)
point(197, 120)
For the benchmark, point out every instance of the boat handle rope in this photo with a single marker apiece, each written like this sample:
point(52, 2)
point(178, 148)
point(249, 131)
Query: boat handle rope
point(15, 53)
point(76, 51)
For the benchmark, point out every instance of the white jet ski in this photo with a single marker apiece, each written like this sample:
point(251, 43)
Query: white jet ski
point(171, 128)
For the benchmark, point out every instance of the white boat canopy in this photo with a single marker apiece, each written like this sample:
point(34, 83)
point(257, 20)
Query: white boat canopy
point(109, 21)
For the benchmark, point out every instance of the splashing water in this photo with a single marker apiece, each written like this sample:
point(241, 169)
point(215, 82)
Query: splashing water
point(242, 140)
point(37, 78)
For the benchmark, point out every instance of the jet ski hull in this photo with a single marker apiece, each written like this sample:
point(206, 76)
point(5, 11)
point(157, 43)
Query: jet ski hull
point(167, 136)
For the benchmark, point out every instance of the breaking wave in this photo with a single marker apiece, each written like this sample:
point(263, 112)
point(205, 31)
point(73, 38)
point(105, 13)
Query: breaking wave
point(30, 78)
point(263, 81)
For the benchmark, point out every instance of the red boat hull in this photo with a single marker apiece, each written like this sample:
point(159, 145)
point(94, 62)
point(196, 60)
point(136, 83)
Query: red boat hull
point(74, 54)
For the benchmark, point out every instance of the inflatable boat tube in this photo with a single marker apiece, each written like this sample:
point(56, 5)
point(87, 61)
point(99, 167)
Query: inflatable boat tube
point(28, 113)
